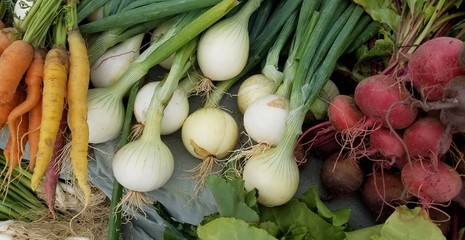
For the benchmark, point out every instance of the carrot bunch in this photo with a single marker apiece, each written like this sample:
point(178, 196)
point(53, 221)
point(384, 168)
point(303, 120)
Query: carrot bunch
point(42, 82)
point(66, 80)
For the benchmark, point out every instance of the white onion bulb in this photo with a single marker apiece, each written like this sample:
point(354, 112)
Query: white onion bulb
point(210, 132)
point(265, 119)
point(174, 114)
point(252, 88)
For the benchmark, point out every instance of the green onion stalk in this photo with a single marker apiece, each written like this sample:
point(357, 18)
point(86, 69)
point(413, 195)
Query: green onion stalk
point(106, 108)
point(114, 226)
point(274, 172)
point(18, 200)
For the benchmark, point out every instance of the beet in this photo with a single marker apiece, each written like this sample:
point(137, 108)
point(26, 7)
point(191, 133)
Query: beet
point(341, 175)
point(381, 192)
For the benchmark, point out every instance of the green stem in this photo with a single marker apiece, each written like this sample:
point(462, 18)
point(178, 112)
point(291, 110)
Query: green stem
point(270, 70)
point(37, 24)
point(87, 9)
point(60, 32)
point(163, 93)
point(71, 15)
point(157, 53)
point(147, 13)
point(114, 226)
point(5, 209)
point(110, 38)
point(427, 28)
point(261, 17)
point(319, 79)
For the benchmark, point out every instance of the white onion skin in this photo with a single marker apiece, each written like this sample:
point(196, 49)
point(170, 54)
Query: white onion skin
point(174, 114)
point(157, 32)
point(105, 116)
point(143, 166)
point(252, 88)
point(115, 61)
point(223, 50)
point(276, 177)
point(210, 132)
point(265, 119)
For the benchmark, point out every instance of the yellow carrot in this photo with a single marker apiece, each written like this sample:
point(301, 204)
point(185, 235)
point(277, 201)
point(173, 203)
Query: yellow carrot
point(78, 83)
point(54, 90)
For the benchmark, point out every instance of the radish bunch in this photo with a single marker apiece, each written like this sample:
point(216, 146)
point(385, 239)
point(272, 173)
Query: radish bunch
point(406, 123)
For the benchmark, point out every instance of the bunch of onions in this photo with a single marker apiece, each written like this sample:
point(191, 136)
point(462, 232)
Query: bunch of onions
point(264, 119)
point(210, 133)
point(274, 172)
point(146, 164)
point(268, 81)
point(105, 105)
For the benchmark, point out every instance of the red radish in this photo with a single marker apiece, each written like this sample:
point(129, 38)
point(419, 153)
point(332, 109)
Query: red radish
point(433, 64)
point(379, 95)
point(386, 143)
point(430, 184)
point(340, 175)
point(344, 113)
point(425, 138)
point(381, 192)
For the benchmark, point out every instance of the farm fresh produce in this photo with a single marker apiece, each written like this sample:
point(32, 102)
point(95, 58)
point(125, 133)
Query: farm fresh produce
point(198, 119)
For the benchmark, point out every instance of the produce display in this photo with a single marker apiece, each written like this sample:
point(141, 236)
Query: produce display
point(227, 119)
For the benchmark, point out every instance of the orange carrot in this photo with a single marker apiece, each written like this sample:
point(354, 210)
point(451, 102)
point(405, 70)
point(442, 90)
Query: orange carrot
point(35, 118)
point(55, 80)
point(5, 40)
point(33, 80)
point(6, 108)
point(14, 63)
point(2, 25)
point(78, 83)
point(17, 148)
point(17, 139)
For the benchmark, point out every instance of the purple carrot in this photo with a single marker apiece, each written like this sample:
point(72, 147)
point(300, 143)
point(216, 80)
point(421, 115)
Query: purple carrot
point(53, 170)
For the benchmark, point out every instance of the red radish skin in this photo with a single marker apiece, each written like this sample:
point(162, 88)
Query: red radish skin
point(422, 180)
point(433, 64)
point(379, 95)
point(343, 113)
point(386, 143)
point(382, 191)
point(424, 138)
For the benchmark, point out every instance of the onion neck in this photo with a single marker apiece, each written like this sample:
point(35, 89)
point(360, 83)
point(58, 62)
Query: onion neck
point(243, 15)
point(293, 130)
point(152, 129)
point(134, 73)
